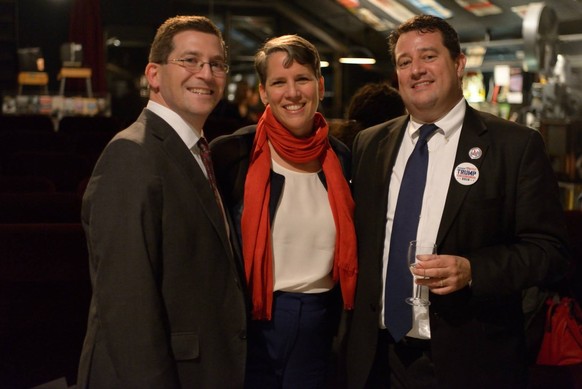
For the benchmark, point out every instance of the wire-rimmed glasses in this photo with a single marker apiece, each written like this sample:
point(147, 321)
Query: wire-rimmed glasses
point(194, 65)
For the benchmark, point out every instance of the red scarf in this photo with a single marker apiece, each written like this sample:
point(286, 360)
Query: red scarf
point(256, 224)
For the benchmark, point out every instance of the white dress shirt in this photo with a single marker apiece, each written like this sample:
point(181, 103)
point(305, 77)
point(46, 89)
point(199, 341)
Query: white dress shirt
point(442, 148)
point(187, 133)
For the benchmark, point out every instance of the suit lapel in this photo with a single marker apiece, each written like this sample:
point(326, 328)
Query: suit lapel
point(472, 136)
point(177, 151)
point(386, 155)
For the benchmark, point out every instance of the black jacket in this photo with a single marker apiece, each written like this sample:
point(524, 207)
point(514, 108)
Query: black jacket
point(231, 156)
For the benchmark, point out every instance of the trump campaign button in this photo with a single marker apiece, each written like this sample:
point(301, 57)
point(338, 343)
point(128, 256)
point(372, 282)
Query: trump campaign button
point(466, 173)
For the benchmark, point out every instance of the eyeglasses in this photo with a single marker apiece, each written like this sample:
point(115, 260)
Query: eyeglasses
point(194, 65)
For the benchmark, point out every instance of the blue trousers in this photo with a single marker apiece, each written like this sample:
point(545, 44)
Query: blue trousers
point(293, 350)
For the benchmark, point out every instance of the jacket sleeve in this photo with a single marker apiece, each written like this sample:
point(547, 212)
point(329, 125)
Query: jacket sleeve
point(122, 219)
point(529, 245)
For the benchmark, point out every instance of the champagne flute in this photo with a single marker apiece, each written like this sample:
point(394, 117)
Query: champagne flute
point(416, 248)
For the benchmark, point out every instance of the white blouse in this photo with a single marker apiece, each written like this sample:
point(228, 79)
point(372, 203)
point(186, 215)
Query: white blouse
point(303, 233)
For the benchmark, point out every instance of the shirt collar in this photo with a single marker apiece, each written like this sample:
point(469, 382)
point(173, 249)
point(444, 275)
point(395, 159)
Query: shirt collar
point(448, 124)
point(187, 133)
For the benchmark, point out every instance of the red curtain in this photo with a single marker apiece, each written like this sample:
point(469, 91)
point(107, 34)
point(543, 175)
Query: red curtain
point(86, 28)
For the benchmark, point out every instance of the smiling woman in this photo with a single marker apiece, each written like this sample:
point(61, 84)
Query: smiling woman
point(296, 226)
point(292, 92)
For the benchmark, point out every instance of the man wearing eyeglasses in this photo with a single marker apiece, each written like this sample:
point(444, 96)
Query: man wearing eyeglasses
point(168, 307)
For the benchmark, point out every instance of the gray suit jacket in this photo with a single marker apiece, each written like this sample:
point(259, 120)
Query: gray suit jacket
point(168, 307)
point(509, 224)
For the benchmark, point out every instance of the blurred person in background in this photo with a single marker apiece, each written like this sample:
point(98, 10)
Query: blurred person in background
point(373, 103)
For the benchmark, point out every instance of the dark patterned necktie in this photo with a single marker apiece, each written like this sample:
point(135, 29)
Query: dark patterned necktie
point(397, 313)
point(207, 160)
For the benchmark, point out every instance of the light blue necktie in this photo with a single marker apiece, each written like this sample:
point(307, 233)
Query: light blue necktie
point(397, 313)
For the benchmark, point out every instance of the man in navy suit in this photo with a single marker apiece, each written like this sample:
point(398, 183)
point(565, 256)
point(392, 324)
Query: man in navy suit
point(490, 204)
point(168, 307)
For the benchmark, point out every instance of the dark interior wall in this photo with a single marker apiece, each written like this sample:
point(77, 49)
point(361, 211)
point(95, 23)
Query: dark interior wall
point(45, 24)
point(135, 23)
point(135, 12)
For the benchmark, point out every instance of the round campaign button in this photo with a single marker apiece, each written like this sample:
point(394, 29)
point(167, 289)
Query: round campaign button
point(466, 173)
point(475, 153)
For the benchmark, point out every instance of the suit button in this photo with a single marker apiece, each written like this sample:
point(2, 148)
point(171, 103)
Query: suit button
point(373, 307)
point(242, 334)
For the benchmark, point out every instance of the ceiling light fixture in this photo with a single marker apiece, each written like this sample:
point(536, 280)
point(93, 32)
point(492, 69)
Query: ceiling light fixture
point(358, 56)
point(357, 60)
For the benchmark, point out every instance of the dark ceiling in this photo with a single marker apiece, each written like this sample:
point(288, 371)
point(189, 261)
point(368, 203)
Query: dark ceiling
point(339, 27)
point(337, 30)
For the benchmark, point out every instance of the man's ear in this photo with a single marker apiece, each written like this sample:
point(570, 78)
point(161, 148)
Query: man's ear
point(152, 73)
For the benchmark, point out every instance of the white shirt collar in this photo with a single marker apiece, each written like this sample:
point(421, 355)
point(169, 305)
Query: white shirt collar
point(187, 133)
point(448, 124)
